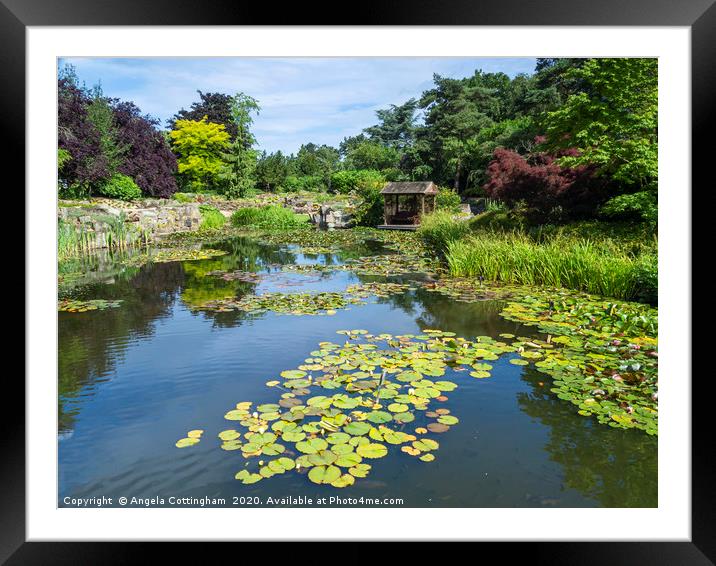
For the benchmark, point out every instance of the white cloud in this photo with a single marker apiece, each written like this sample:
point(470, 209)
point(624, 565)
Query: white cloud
point(318, 100)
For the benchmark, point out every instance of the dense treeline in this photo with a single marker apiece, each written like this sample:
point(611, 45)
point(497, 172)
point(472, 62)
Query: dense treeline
point(576, 139)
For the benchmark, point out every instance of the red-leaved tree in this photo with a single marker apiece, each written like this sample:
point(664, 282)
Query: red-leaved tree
point(544, 187)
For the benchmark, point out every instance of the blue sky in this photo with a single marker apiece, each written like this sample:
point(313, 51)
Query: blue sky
point(319, 100)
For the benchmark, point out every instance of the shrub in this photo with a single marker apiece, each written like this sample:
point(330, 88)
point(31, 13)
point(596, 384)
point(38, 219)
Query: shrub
point(447, 199)
point(368, 186)
point(273, 217)
point(183, 197)
point(439, 229)
point(641, 206)
point(355, 180)
point(293, 184)
point(211, 217)
point(121, 187)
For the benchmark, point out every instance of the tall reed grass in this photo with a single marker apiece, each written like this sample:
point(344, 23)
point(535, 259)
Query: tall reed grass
point(73, 240)
point(562, 261)
point(269, 217)
point(439, 229)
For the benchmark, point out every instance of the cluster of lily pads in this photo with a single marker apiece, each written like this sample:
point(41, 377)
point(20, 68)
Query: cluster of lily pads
point(325, 303)
point(350, 403)
point(182, 254)
point(76, 305)
point(601, 353)
point(237, 275)
point(282, 303)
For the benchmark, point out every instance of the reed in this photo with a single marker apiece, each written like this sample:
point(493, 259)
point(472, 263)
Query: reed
point(562, 261)
point(268, 217)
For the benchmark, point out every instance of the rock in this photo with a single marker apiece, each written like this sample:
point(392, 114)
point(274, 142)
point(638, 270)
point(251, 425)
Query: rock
point(328, 217)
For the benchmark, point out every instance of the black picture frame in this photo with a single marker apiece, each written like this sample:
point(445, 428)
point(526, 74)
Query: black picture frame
point(699, 15)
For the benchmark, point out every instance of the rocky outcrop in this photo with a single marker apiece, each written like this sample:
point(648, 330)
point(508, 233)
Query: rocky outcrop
point(328, 217)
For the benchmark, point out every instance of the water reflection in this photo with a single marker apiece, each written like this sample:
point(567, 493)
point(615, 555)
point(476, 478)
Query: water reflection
point(600, 462)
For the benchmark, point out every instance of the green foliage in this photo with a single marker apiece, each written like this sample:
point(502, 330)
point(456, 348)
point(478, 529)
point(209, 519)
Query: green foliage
point(635, 206)
point(447, 199)
point(574, 263)
point(183, 197)
point(211, 218)
point(101, 116)
point(372, 155)
point(121, 187)
point(316, 161)
point(200, 145)
point(237, 171)
point(355, 180)
point(63, 157)
point(268, 217)
point(271, 171)
point(439, 229)
point(613, 121)
point(367, 184)
point(311, 183)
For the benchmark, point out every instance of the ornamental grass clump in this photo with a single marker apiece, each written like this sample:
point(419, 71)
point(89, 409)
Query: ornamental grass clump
point(268, 217)
point(566, 262)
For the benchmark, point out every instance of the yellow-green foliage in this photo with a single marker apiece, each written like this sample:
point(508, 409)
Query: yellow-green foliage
point(211, 218)
point(199, 145)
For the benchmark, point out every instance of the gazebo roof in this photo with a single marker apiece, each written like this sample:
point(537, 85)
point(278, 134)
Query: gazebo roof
point(410, 188)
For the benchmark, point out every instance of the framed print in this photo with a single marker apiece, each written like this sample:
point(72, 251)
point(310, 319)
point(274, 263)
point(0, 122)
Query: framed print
point(408, 277)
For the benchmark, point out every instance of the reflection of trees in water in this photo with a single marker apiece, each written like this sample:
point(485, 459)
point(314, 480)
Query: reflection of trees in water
point(91, 344)
point(616, 467)
point(481, 318)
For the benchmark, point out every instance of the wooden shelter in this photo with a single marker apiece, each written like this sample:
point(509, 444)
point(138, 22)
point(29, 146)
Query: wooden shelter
point(406, 202)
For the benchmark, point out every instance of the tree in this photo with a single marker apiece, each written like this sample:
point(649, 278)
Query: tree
point(101, 116)
point(200, 145)
point(148, 159)
point(544, 187)
point(317, 161)
point(372, 155)
point(396, 128)
point(240, 160)
point(612, 121)
point(87, 168)
point(215, 106)
point(271, 170)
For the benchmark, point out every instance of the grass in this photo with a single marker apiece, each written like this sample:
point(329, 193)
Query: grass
point(607, 259)
point(439, 229)
point(562, 261)
point(268, 217)
point(211, 218)
point(73, 241)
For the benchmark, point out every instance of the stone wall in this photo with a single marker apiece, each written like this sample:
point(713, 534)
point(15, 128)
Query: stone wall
point(101, 222)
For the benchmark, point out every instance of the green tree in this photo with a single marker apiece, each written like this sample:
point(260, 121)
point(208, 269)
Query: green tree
point(372, 155)
point(200, 145)
point(317, 161)
point(396, 128)
point(101, 116)
point(271, 171)
point(613, 121)
point(239, 167)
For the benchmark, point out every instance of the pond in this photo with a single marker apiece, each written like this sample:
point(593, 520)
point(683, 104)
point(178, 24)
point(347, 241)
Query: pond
point(134, 378)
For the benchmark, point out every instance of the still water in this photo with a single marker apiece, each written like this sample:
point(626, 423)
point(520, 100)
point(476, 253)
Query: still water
point(134, 379)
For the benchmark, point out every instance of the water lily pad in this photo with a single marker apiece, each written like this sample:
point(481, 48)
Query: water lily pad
point(324, 474)
point(372, 450)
